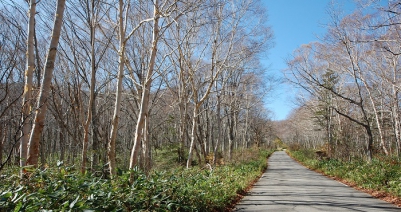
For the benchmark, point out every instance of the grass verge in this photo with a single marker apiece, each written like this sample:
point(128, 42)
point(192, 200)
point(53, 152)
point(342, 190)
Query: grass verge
point(381, 178)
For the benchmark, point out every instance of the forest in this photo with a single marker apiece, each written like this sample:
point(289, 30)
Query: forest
point(103, 102)
point(347, 123)
point(130, 78)
point(350, 86)
point(109, 89)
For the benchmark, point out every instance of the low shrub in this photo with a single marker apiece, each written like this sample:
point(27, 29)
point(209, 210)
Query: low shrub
point(379, 174)
point(64, 189)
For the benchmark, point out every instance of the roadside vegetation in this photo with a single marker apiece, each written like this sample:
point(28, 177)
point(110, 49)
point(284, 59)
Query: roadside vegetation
point(347, 124)
point(63, 188)
point(382, 174)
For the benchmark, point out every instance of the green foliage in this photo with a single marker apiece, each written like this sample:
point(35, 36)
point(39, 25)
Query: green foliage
point(64, 189)
point(380, 174)
point(166, 158)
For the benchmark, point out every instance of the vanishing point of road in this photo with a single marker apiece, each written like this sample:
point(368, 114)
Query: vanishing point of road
point(288, 186)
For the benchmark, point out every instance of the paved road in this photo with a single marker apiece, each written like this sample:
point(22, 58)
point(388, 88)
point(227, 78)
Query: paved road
point(288, 186)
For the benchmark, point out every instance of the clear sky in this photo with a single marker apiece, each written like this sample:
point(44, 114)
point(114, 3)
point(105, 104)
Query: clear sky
point(294, 22)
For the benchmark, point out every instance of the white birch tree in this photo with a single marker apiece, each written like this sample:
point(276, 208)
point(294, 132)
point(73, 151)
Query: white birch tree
point(41, 107)
point(27, 95)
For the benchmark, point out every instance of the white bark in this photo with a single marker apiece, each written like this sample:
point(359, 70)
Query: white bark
point(111, 151)
point(27, 95)
point(216, 147)
point(144, 106)
point(396, 118)
point(193, 135)
point(33, 151)
point(85, 142)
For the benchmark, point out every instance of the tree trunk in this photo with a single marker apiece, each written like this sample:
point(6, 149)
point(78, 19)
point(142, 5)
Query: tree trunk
point(245, 135)
point(91, 94)
point(183, 107)
point(95, 138)
point(193, 136)
point(144, 107)
point(146, 148)
point(42, 149)
point(396, 118)
point(216, 147)
point(183, 124)
point(111, 149)
point(206, 135)
point(379, 127)
point(27, 95)
point(85, 145)
point(201, 137)
point(33, 151)
point(62, 145)
point(198, 155)
point(2, 139)
point(230, 135)
point(231, 122)
point(369, 147)
point(329, 131)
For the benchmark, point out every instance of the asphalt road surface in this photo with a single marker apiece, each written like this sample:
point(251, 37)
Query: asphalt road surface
point(288, 186)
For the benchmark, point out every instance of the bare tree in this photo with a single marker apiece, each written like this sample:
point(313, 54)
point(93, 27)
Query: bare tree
point(357, 51)
point(121, 53)
point(30, 64)
point(170, 11)
point(144, 103)
point(41, 107)
point(12, 51)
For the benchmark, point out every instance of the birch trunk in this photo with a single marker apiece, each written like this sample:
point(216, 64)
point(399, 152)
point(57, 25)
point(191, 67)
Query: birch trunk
point(95, 139)
point(183, 107)
point(84, 157)
point(396, 118)
point(245, 136)
point(372, 101)
point(27, 95)
point(193, 136)
point(2, 139)
point(144, 107)
point(183, 118)
point(196, 112)
point(146, 148)
point(216, 147)
point(111, 149)
point(395, 110)
point(40, 113)
point(230, 134)
point(369, 147)
point(201, 136)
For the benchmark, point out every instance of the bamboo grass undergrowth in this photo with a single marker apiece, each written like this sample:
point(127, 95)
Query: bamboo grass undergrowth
point(63, 188)
point(381, 174)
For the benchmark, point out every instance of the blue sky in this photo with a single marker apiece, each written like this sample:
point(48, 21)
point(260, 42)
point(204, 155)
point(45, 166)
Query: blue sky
point(294, 22)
